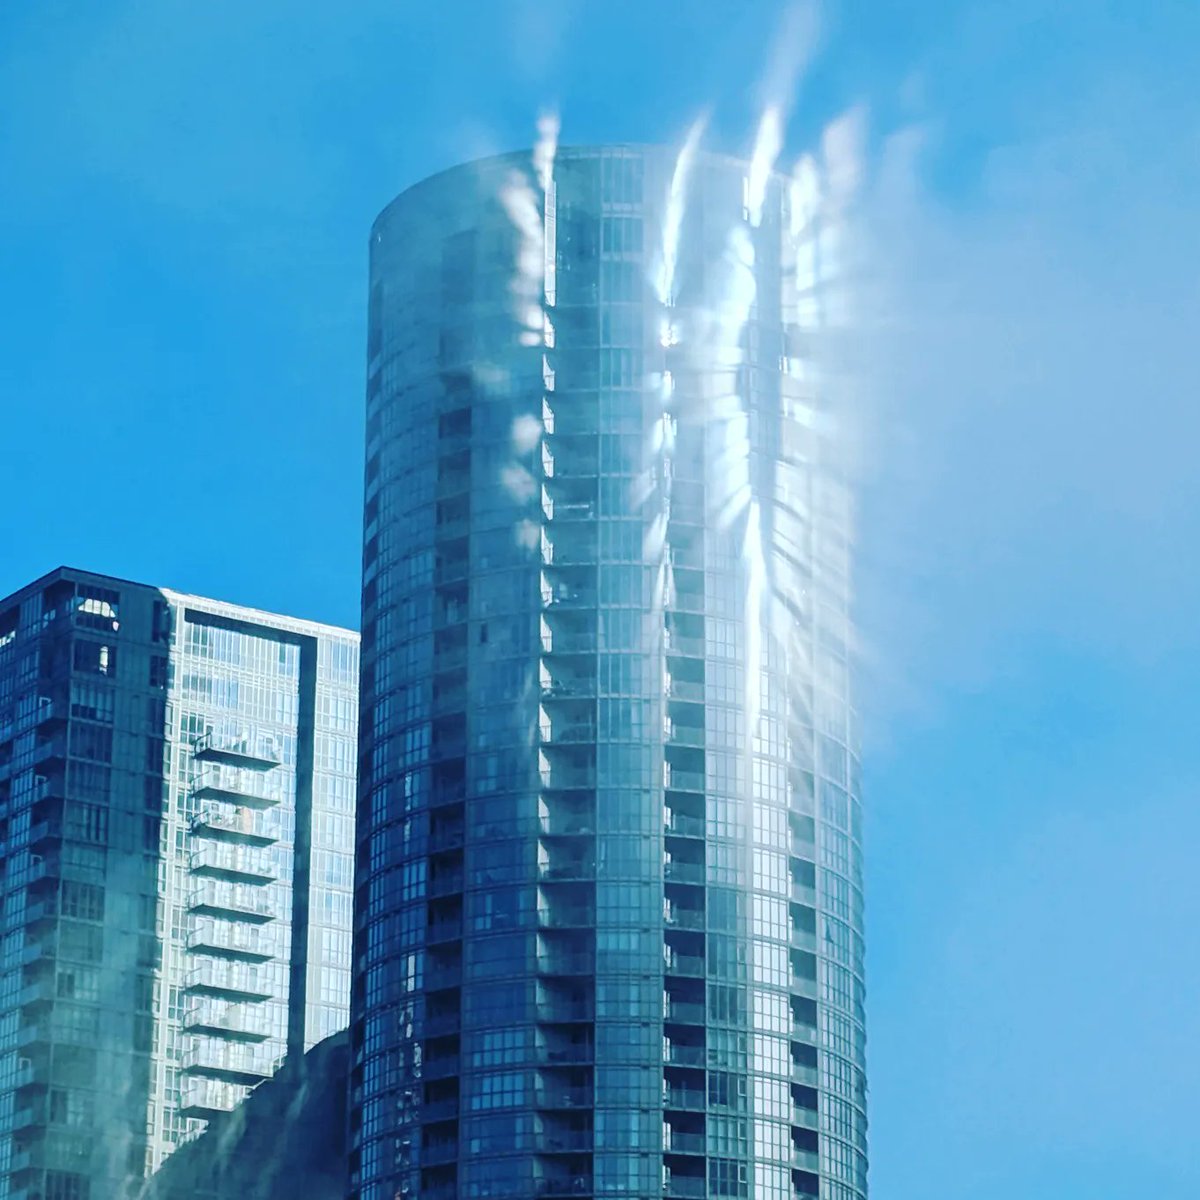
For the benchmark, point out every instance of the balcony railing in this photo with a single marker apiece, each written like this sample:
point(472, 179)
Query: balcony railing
point(203, 1097)
point(253, 826)
point(688, 965)
point(682, 781)
point(242, 1062)
point(683, 1143)
point(218, 1018)
point(684, 735)
point(685, 689)
point(679, 1054)
point(578, 870)
point(235, 980)
point(232, 939)
point(681, 825)
point(224, 860)
point(240, 900)
point(686, 1186)
point(680, 1012)
point(566, 918)
point(248, 747)
point(683, 918)
point(237, 785)
point(678, 643)
point(685, 1099)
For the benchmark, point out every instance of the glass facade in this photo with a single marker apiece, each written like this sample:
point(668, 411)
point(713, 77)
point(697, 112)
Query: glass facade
point(608, 913)
point(176, 790)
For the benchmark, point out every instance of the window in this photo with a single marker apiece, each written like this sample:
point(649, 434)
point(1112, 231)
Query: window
point(91, 741)
point(91, 702)
point(95, 658)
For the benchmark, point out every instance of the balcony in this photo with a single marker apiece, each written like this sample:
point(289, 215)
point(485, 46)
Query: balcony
point(682, 1099)
point(34, 1034)
point(231, 980)
point(568, 871)
point(803, 939)
point(681, 825)
point(683, 1143)
point(452, 700)
point(435, 1154)
point(441, 976)
point(443, 931)
point(254, 827)
point(682, 1012)
point(565, 687)
point(221, 1019)
point(565, 824)
point(563, 1186)
point(802, 986)
point(45, 834)
point(206, 1098)
point(247, 747)
point(40, 992)
point(439, 1110)
point(566, 918)
point(562, 733)
point(678, 643)
point(565, 1012)
point(676, 917)
point(49, 714)
point(245, 1063)
point(555, 1098)
point(31, 1074)
point(50, 752)
point(561, 777)
point(446, 883)
point(691, 690)
point(566, 1054)
point(679, 734)
point(563, 598)
point(682, 1054)
point(565, 1141)
point(804, 1074)
point(805, 1118)
point(238, 864)
point(686, 1186)
point(40, 866)
point(804, 893)
point(237, 785)
point(675, 871)
point(232, 939)
point(677, 780)
point(566, 964)
point(440, 1023)
point(241, 901)
point(805, 1160)
point(689, 966)
point(440, 1066)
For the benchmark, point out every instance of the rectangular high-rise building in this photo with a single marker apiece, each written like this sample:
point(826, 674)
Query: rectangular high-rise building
point(177, 780)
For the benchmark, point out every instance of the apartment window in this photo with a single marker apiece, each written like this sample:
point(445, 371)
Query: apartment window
point(82, 900)
point(91, 741)
point(64, 1185)
point(158, 671)
point(92, 703)
point(95, 658)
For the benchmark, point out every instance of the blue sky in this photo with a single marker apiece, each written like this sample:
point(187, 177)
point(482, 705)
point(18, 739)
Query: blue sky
point(185, 194)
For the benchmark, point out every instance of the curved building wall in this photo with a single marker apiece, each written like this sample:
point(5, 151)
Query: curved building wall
point(608, 888)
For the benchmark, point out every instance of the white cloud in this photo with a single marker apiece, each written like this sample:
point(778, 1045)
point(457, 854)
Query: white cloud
point(1026, 358)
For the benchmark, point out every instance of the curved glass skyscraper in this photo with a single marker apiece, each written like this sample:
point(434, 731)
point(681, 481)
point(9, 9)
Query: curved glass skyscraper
point(609, 906)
